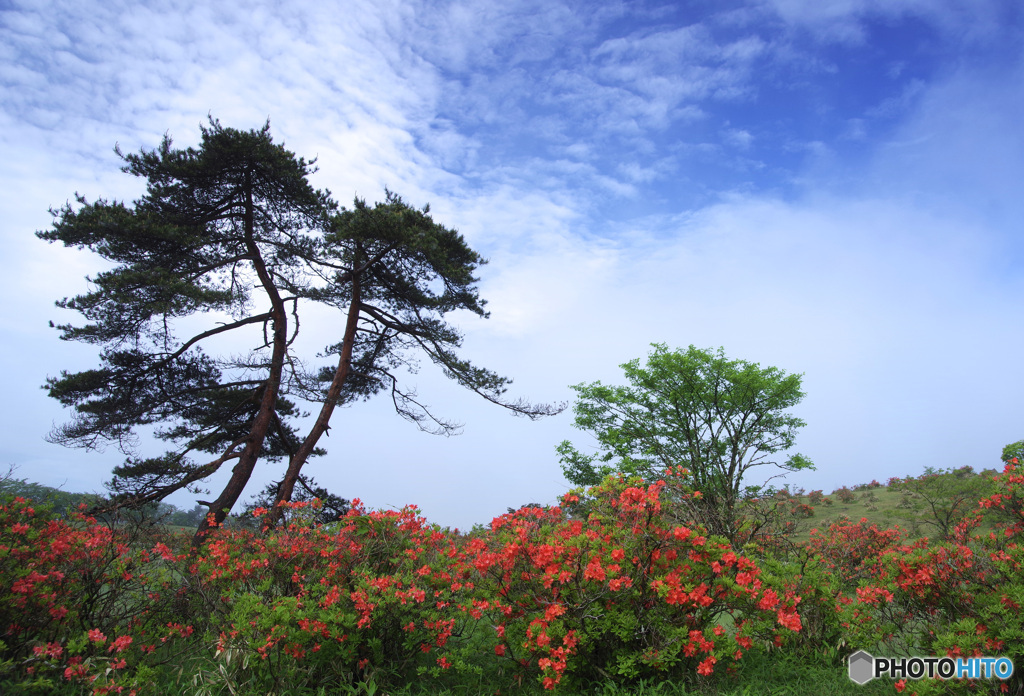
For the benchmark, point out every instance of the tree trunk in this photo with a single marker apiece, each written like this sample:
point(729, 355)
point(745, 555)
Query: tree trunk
point(242, 471)
point(284, 491)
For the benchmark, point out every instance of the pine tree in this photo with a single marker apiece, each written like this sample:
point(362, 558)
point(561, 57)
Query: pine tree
point(230, 236)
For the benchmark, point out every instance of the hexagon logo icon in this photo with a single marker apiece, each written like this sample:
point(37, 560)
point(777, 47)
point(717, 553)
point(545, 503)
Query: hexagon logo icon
point(861, 666)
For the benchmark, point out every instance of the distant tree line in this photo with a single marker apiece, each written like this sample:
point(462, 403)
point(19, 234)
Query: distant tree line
point(65, 503)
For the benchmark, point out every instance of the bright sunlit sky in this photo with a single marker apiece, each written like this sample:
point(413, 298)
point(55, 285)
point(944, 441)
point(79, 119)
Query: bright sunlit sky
point(832, 187)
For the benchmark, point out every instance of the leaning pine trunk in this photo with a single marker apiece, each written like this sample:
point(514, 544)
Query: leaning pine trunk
point(284, 491)
point(242, 471)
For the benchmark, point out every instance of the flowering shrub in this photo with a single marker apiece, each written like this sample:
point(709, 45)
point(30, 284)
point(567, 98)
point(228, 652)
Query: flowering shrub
point(960, 597)
point(807, 576)
point(802, 510)
point(614, 583)
point(627, 592)
point(79, 599)
point(638, 594)
point(844, 494)
point(852, 551)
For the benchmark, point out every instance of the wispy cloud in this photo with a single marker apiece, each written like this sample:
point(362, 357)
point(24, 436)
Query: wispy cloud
point(846, 21)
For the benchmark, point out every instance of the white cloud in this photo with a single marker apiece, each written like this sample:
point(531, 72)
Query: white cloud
point(844, 20)
point(738, 138)
point(961, 146)
point(559, 142)
point(659, 73)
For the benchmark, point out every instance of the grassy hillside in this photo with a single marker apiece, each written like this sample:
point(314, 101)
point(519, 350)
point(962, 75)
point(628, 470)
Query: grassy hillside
point(923, 506)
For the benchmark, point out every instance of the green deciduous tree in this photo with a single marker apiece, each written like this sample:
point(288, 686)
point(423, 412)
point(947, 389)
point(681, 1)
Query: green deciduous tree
point(231, 243)
point(717, 417)
point(942, 498)
point(1014, 450)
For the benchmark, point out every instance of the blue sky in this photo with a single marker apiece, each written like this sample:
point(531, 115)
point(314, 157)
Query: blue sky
point(830, 187)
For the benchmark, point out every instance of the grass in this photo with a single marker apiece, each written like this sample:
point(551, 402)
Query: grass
point(760, 674)
point(882, 505)
point(784, 674)
point(879, 505)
